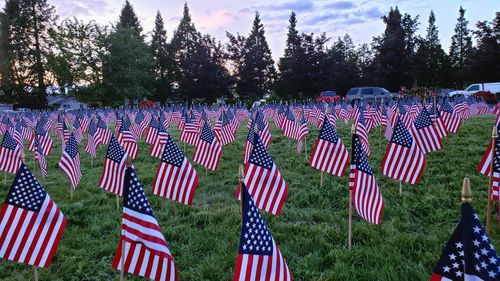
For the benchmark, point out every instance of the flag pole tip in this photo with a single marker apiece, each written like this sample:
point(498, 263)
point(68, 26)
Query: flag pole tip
point(241, 174)
point(353, 128)
point(495, 132)
point(466, 191)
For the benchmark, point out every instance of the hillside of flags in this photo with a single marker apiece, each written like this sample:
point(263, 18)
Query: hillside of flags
point(328, 191)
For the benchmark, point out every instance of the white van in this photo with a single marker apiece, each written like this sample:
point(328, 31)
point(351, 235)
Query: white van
point(493, 87)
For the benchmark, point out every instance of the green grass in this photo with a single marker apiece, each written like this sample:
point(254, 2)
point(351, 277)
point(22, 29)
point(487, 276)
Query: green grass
point(311, 231)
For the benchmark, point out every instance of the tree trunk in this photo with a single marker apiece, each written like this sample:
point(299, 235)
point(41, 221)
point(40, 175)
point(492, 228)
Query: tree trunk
point(40, 72)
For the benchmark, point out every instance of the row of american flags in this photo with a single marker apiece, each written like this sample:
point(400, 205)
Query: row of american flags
point(413, 129)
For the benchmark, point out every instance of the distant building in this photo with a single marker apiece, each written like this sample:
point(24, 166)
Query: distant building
point(69, 103)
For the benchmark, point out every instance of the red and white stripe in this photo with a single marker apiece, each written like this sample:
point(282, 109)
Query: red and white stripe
point(366, 198)
point(176, 183)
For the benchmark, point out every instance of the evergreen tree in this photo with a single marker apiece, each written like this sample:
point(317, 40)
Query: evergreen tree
point(291, 75)
point(432, 66)
point(460, 48)
point(484, 65)
point(28, 23)
point(6, 61)
point(127, 68)
point(129, 19)
point(391, 61)
point(162, 62)
point(183, 45)
point(257, 74)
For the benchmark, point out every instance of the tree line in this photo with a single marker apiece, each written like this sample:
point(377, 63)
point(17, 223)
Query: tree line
point(107, 65)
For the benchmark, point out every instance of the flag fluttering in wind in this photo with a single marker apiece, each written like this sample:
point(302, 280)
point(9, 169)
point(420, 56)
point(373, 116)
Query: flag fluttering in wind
point(403, 158)
point(425, 133)
point(91, 147)
point(70, 162)
point(208, 149)
point(367, 199)
point(175, 178)
point(31, 224)
point(329, 154)
point(10, 154)
point(142, 249)
point(127, 139)
point(113, 171)
point(469, 254)
point(263, 180)
point(103, 133)
point(259, 258)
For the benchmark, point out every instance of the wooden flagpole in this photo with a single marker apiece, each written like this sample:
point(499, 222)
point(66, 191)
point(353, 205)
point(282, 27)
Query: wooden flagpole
point(122, 261)
point(206, 171)
point(400, 188)
point(35, 271)
point(241, 183)
point(349, 244)
point(321, 179)
point(305, 147)
point(494, 137)
point(380, 131)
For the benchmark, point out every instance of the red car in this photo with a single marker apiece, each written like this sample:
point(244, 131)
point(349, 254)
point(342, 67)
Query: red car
point(328, 96)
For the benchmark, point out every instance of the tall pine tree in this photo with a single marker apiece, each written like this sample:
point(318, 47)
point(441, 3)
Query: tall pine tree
point(460, 48)
point(127, 69)
point(258, 73)
point(162, 62)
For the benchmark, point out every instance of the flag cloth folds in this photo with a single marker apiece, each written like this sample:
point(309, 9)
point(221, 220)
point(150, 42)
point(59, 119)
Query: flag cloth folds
point(329, 154)
point(31, 224)
point(208, 149)
point(175, 178)
point(263, 180)
point(70, 162)
point(469, 254)
point(403, 158)
point(142, 249)
point(10, 154)
point(367, 199)
point(113, 171)
point(259, 257)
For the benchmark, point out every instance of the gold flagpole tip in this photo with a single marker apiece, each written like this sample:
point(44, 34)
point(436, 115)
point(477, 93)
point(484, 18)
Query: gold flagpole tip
point(466, 191)
point(241, 174)
point(353, 128)
point(495, 132)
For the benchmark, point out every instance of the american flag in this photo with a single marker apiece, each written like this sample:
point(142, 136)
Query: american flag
point(189, 132)
point(10, 154)
point(17, 135)
point(302, 134)
point(249, 145)
point(58, 130)
point(159, 141)
point(31, 224)
point(127, 139)
point(367, 199)
point(263, 127)
point(425, 133)
point(43, 137)
point(77, 131)
point(26, 133)
point(469, 254)
point(91, 147)
point(208, 149)
point(144, 249)
point(329, 154)
point(152, 130)
point(263, 180)
point(361, 130)
point(290, 128)
point(485, 164)
point(438, 122)
point(84, 121)
point(40, 158)
point(451, 120)
point(175, 178)
point(113, 171)
point(259, 257)
point(223, 130)
point(103, 134)
point(403, 158)
point(70, 162)
point(136, 128)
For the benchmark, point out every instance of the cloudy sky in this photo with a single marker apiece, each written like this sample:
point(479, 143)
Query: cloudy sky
point(359, 18)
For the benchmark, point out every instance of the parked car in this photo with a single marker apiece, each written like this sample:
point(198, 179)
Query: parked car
point(368, 94)
point(328, 96)
point(493, 87)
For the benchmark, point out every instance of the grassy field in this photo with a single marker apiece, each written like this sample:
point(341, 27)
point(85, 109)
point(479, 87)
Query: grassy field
point(311, 231)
